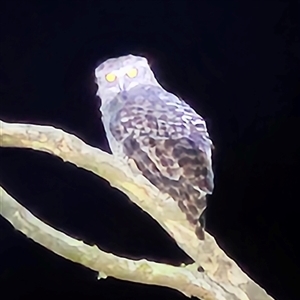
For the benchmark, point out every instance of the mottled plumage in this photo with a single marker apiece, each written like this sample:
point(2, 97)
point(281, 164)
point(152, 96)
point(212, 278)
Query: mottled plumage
point(162, 134)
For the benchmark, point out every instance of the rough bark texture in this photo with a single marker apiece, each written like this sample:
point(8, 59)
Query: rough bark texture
point(223, 279)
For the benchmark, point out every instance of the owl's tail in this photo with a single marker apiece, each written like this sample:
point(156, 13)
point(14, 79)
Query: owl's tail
point(195, 214)
point(200, 232)
point(200, 227)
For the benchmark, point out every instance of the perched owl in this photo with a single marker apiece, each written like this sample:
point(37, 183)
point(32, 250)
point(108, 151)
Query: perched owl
point(163, 135)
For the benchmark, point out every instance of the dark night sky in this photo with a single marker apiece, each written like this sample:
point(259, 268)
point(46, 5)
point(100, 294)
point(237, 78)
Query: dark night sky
point(236, 62)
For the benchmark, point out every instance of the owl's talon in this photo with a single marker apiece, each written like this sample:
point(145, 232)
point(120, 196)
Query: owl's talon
point(133, 167)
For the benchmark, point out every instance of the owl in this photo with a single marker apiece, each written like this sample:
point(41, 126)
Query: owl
point(167, 140)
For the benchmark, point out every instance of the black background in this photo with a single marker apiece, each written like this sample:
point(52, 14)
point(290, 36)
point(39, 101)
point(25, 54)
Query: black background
point(235, 62)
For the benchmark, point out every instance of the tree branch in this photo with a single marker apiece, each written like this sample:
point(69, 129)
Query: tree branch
point(220, 270)
point(186, 280)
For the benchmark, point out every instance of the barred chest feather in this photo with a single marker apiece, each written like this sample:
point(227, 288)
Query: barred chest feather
point(169, 143)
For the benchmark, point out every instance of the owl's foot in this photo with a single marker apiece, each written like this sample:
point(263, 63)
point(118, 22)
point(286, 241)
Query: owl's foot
point(165, 196)
point(133, 167)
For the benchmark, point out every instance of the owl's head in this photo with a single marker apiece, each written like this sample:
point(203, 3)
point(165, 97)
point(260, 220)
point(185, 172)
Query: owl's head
point(122, 74)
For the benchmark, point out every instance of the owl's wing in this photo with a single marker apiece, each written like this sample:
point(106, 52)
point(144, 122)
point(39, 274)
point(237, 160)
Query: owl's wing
point(170, 145)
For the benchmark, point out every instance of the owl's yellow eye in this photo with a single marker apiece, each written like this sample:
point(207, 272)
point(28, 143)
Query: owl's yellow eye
point(132, 73)
point(110, 77)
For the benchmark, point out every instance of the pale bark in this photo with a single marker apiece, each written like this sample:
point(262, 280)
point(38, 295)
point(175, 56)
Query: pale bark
point(223, 279)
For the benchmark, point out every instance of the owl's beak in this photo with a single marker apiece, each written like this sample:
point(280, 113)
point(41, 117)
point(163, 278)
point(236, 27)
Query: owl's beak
point(121, 84)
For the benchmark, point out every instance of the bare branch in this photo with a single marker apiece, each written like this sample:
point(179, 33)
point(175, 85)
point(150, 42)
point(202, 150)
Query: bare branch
point(219, 268)
point(186, 280)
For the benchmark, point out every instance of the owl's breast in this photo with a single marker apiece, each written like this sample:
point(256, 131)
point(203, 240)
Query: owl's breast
point(148, 111)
